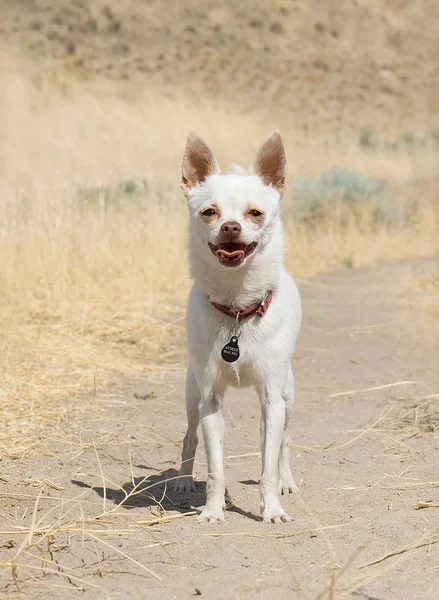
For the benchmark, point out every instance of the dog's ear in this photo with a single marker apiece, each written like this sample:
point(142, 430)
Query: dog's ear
point(198, 162)
point(271, 163)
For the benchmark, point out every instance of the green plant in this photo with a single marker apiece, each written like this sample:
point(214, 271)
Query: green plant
point(409, 138)
point(367, 139)
point(128, 190)
point(391, 146)
point(344, 193)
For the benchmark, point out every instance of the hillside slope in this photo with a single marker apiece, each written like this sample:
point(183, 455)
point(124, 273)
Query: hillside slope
point(331, 66)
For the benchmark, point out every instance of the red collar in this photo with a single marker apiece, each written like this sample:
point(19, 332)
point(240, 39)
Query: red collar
point(242, 313)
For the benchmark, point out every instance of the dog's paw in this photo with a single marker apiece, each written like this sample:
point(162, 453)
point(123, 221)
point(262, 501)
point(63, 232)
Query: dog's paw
point(211, 515)
point(275, 515)
point(184, 484)
point(287, 485)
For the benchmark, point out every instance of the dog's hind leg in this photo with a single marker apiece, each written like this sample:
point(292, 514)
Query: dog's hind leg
point(185, 482)
point(286, 480)
point(272, 433)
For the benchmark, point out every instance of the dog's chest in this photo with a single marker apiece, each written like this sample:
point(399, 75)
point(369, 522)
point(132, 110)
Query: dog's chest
point(237, 375)
point(248, 364)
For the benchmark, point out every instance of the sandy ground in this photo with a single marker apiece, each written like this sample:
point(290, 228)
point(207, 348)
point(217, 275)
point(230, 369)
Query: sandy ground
point(365, 459)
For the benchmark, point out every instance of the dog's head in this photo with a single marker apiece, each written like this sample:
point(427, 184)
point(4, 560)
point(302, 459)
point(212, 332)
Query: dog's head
point(233, 216)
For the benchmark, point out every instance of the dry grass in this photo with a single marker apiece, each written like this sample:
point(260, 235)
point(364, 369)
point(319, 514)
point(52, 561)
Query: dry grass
point(424, 295)
point(93, 284)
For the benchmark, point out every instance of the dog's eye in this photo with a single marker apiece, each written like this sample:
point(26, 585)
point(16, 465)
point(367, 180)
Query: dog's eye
point(209, 212)
point(255, 213)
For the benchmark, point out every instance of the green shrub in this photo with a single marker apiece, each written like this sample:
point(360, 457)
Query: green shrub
point(367, 139)
point(345, 195)
point(105, 197)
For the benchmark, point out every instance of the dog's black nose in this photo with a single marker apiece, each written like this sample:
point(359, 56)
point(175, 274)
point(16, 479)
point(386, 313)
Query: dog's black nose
point(233, 228)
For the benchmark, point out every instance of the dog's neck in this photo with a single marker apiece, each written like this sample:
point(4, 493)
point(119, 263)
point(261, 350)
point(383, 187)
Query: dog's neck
point(239, 287)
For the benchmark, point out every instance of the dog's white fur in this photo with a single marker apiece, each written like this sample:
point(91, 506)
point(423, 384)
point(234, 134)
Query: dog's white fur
point(266, 343)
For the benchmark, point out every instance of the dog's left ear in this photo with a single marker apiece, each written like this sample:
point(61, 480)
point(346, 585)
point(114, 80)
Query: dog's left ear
point(271, 163)
point(198, 163)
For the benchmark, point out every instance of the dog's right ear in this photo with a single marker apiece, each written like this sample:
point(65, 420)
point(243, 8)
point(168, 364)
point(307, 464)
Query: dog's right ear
point(198, 163)
point(270, 163)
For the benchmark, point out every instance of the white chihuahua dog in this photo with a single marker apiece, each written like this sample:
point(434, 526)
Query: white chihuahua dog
point(243, 318)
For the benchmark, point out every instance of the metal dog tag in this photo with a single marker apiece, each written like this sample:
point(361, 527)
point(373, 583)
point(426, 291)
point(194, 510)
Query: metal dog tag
point(230, 352)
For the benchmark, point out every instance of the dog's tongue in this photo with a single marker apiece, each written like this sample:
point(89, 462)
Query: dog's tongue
point(230, 255)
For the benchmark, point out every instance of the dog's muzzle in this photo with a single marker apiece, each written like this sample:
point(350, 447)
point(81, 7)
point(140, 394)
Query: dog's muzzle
point(232, 253)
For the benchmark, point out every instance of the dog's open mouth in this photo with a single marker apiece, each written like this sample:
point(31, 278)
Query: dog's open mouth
point(232, 254)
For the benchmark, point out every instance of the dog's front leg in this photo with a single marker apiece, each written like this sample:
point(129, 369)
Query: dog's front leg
point(212, 424)
point(272, 431)
point(185, 481)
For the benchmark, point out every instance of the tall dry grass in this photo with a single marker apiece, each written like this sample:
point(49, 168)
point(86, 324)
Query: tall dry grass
point(93, 282)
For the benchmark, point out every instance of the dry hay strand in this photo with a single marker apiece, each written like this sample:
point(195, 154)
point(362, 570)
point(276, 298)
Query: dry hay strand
point(167, 518)
point(401, 553)
point(426, 504)
point(343, 584)
point(277, 534)
point(425, 541)
point(35, 560)
point(375, 388)
point(397, 424)
point(421, 417)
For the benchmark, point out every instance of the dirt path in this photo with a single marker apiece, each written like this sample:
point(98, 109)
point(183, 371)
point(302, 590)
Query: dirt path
point(366, 461)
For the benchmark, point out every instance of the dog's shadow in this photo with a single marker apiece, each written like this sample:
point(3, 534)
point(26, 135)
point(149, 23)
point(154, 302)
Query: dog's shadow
point(157, 490)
